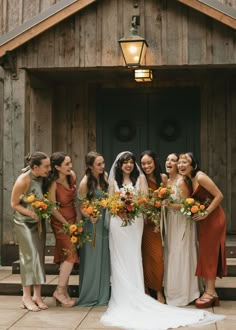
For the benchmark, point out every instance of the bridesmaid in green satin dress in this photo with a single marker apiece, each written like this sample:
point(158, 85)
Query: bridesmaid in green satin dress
point(31, 244)
point(94, 286)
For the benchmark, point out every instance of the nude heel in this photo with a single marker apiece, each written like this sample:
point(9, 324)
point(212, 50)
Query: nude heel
point(61, 299)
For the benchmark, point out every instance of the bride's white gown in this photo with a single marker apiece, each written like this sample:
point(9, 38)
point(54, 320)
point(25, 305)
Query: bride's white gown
point(129, 306)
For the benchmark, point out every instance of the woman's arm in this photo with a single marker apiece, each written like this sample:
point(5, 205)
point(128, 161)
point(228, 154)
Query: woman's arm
point(205, 181)
point(52, 196)
point(20, 188)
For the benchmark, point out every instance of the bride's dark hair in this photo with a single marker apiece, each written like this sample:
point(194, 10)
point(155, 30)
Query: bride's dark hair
point(119, 173)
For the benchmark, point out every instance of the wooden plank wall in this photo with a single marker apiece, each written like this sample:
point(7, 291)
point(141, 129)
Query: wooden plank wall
point(177, 35)
point(13, 143)
point(1, 149)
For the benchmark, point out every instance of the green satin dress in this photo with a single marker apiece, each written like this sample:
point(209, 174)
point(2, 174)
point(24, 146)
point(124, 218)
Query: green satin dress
point(94, 279)
point(31, 245)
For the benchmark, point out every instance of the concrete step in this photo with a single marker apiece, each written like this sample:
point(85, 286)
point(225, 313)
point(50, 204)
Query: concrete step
point(50, 267)
point(10, 284)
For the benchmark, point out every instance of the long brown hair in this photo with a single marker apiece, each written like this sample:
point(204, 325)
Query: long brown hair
point(92, 182)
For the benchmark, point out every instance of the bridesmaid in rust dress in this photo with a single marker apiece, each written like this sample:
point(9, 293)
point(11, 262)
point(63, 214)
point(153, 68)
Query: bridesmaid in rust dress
point(152, 253)
point(62, 188)
point(211, 229)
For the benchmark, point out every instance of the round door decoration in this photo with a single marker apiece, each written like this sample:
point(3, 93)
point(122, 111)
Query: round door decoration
point(125, 131)
point(169, 130)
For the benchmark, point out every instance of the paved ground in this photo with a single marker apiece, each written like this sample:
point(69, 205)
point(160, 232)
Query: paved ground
point(12, 317)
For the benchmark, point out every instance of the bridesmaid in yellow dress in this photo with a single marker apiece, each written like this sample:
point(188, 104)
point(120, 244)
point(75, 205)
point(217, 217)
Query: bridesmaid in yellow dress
point(31, 244)
point(152, 253)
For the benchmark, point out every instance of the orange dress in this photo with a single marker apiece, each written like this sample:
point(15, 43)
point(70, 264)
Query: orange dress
point(211, 237)
point(64, 250)
point(152, 253)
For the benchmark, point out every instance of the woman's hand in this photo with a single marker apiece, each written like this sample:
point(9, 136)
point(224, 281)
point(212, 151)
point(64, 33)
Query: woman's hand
point(122, 215)
point(33, 215)
point(165, 202)
point(199, 217)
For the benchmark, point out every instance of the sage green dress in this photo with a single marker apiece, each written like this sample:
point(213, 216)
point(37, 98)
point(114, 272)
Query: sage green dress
point(94, 278)
point(31, 245)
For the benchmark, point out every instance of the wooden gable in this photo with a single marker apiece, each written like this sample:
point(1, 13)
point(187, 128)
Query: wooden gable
point(40, 23)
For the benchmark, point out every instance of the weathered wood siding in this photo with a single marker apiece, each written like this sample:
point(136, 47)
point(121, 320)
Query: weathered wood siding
point(13, 143)
point(1, 149)
point(176, 34)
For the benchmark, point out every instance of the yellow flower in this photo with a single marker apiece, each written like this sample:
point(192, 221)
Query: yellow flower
point(72, 228)
point(73, 239)
point(30, 198)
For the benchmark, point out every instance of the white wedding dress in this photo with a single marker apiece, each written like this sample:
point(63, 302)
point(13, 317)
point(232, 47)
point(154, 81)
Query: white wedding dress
point(129, 307)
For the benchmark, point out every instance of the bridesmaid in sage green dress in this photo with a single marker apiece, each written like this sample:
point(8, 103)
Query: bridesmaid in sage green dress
point(31, 242)
point(94, 286)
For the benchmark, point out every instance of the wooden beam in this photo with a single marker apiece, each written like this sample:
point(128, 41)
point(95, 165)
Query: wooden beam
point(214, 9)
point(41, 23)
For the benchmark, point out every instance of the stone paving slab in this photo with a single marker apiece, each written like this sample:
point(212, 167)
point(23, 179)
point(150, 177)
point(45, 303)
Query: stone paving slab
point(84, 318)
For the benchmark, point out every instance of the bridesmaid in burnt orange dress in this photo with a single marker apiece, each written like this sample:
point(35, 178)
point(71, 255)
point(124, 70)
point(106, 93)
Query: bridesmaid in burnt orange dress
point(152, 253)
point(211, 229)
point(62, 189)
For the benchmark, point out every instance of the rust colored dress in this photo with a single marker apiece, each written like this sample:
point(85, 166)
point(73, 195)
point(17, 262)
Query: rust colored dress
point(63, 249)
point(152, 253)
point(211, 237)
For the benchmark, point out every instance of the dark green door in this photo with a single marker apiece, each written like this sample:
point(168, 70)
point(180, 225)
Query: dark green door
point(164, 120)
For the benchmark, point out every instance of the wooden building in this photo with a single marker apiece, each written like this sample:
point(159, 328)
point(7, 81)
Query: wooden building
point(64, 86)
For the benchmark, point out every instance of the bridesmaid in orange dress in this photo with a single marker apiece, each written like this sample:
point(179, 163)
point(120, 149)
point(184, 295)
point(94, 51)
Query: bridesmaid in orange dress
point(211, 229)
point(62, 188)
point(152, 253)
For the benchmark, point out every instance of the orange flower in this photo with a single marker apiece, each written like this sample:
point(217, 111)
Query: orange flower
point(90, 210)
point(72, 228)
point(157, 204)
point(44, 206)
point(30, 198)
point(194, 209)
point(202, 207)
point(189, 200)
point(73, 239)
point(36, 204)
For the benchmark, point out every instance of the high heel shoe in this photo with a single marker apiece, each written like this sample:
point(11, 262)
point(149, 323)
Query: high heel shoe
point(30, 306)
point(62, 299)
point(207, 300)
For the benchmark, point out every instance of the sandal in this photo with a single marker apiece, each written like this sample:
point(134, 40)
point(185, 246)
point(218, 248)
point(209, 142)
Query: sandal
point(207, 300)
point(31, 306)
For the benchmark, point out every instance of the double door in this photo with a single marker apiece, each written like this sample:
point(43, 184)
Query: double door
point(165, 120)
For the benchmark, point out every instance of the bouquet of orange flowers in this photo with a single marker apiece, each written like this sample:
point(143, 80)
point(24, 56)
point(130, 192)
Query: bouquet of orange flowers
point(93, 208)
point(191, 206)
point(152, 209)
point(42, 206)
point(77, 235)
point(162, 193)
point(124, 204)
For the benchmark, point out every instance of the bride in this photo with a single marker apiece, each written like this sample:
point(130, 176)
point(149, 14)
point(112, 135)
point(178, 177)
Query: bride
point(129, 307)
